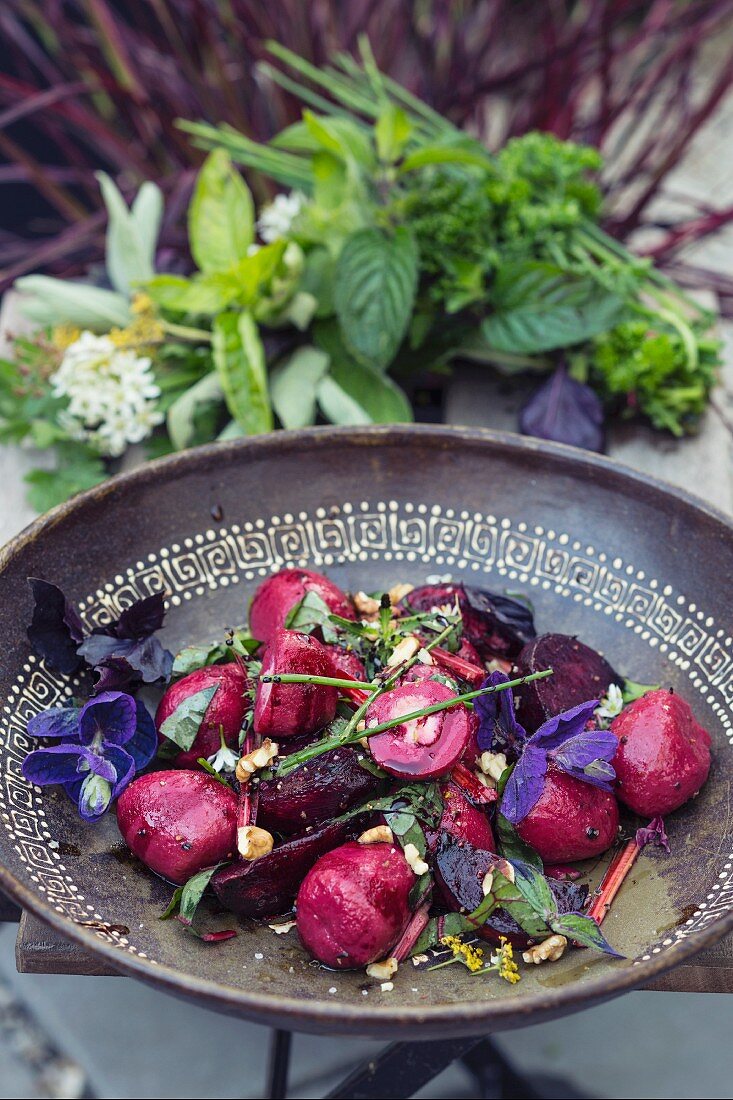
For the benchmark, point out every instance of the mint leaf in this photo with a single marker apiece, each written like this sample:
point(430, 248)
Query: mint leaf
point(239, 357)
point(376, 279)
point(583, 930)
point(183, 725)
point(534, 888)
point(538, 307)
point(220, 216)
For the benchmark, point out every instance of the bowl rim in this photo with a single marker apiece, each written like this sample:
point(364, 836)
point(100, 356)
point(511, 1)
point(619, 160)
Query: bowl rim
point(455, 1018)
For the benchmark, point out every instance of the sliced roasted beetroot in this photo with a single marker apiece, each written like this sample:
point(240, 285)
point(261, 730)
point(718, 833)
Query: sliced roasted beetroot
point(354, 904)
point(461, 820)
point(178, 822)
point(347, 662)
point(424, 747)
point(287, 710)
point(571, 820)
point(495, 625)
point(224, 713)
point(579, 674)
point(278, 595)
point(323, 788)
point(267, 886)
point(663, 756)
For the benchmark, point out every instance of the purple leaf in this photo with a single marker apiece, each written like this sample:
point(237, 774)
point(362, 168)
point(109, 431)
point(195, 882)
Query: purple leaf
point(115, 674)
point(111, 716)
point(525, 784)
point(142, 618)
point(588, 756)
point(498, 729)
point(653, 833)
point(57, 722)
point(515, 615)
point(55, 628)
point(122, 661)
point(54, 764)
point(566, 411)
point(556, 731)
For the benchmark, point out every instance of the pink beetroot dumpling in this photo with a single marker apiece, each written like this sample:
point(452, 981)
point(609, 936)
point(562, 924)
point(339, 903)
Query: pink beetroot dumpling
point(277, 596)
point(353, 904)
point(571, 820)
point(224, 713)
point(178, 822)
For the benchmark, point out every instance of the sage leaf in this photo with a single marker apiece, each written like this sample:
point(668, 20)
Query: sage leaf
point(374, 292)
point(294, 385)
point(239, 358)
point(183, 725)
point(220, 216)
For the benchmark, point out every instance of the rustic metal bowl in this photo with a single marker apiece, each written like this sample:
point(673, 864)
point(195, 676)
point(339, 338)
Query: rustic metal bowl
point(636, 569)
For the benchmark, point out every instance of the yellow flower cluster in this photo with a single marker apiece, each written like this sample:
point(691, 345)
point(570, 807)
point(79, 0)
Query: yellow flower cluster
point(504, 962)
point(142, 334)
point(471, 957)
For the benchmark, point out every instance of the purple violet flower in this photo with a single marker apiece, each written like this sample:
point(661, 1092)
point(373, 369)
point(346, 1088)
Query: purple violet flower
point(566, 742)
point(100, 747)
point(498, 730)
point(653, 833)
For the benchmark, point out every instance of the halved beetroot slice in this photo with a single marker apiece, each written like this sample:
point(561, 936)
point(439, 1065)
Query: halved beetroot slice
point(277, 596)
point(266, 887)
point(579, 674)
point(354, 904)
point(424, 747)
point(287, 710)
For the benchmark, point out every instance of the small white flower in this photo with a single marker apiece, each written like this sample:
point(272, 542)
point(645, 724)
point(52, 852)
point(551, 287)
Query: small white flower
point(111, 394)
point(276, 219)
point(612, 703)
point(224, 760)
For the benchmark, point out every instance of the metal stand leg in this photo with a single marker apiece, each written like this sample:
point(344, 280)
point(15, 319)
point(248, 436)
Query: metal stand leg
point(279, 1066)
point(401, 1069)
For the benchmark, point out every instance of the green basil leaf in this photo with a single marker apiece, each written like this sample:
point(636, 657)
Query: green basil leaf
point(374, 292)
point(534, 888)
point(538, 307)
point(633, 691)
point(239, 358)
point(184, 723)
point(352, 393)
point(205, 294)
point(193, 891)
point(512, 846)
point(309, 614)
point(583, 929)
point(220, 216)
point(294, 384)
point(194, 657)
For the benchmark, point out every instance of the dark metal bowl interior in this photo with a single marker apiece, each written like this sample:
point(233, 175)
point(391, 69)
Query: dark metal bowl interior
point(635, 569)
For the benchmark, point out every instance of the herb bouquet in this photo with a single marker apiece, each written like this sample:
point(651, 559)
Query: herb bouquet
point(398, 245)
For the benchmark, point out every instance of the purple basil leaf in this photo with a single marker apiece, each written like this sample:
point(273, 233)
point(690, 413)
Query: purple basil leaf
point(142, 618)
point(556, 731)
point(516, 615)
point(116, 674)
point(653, 833)
point(566, 411)
point(55, 629)
point(144, 742)
point(151, 660)
point(54, 764)
point(498, 729)
point(94, 797)
point(127, 659)
point(56, 722)
point(124, 768)
point(525, 785)
point(97, 647)
point(112, 716)
point(588, 756)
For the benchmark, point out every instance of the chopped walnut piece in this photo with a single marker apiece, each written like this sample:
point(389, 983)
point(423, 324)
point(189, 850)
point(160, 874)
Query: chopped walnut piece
point(367, 606)
point(398, 592)
point(383, 970)
point(404, 650)
point(379, 834)
point(550, 950)
point(417, 864)
point(488, 882)
point(258, 758)
point(253, 842)
point(492, 764)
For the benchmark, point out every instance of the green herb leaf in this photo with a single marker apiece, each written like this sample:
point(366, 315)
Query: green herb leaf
point(537, 307)
point(534, 888)
point(294, 384)
point(78, 469)
point(374, 293)
point(221, 215)
point(131, 238)
point(184, 723)
point(239, 358)
point(309, 614)
point(352, 393)
point(391, 133)
point(582, 929)
point(633, 691)
point(191, 415)
point(173, 904)
point(51, 301)
point(512, 847)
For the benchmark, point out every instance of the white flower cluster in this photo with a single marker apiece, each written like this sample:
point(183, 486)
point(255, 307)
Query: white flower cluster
point(276, 219)
point(111, 393)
